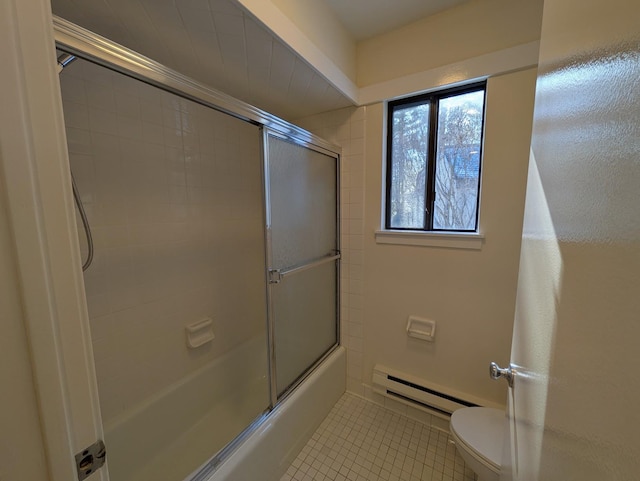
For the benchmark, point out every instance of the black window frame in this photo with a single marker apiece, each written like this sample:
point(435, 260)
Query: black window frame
point(433, 99)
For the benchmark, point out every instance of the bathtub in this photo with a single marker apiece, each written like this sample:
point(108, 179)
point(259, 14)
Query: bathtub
point(196, 422)
point(269, 451)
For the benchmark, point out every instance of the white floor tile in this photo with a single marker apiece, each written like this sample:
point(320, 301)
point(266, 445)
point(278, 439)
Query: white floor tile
point(362, 441)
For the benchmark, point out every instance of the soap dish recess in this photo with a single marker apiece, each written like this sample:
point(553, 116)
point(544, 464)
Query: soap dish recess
point(421, 328)
point(199, 333)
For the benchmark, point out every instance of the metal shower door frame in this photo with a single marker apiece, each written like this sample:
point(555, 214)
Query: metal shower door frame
point(274, 276)
point(85, 44)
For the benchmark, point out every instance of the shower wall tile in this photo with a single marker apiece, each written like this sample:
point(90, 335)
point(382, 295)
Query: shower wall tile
point(345, 127)
point(173, 194)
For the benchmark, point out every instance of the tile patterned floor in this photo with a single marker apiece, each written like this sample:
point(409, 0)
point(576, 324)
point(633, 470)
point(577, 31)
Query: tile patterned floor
point(361, 441)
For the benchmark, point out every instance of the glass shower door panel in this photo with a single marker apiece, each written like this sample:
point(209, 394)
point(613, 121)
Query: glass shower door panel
point(176, 295)
point(305, 327)
point(302, 186)
point(303, 233)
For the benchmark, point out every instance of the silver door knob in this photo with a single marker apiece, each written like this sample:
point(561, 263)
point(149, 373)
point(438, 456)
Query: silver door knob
point(496, 372)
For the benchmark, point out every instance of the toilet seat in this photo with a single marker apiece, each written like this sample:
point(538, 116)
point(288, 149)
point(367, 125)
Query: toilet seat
point(480, 432)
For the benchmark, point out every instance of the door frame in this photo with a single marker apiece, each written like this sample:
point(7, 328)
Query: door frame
point(35, 164)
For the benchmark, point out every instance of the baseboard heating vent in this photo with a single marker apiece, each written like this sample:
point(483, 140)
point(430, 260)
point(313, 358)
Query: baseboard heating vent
point(414, 392)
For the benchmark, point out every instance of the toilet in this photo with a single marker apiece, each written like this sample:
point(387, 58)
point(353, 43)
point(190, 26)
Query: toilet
point(478, 433)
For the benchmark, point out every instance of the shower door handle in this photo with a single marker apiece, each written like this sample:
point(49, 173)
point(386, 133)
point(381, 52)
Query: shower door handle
point(496, 372)
point(276, 275)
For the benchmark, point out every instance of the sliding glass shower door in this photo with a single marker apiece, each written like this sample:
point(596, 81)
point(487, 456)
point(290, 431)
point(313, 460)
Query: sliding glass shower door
point(184, 321)
point(176, 291)
point(302, 227)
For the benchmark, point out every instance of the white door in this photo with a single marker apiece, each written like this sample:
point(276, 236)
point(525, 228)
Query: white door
point(574, 406)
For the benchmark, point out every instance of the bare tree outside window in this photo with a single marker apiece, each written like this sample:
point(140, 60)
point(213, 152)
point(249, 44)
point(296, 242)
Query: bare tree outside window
point(433, 184)
point(410, 143)
point(458, 161)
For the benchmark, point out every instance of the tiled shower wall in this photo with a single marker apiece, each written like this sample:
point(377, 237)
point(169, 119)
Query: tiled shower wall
point(173, 193)
point(346, 128)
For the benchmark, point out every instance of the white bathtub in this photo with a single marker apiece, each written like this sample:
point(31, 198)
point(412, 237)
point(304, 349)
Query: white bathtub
point(267, 454)
point(170, 435)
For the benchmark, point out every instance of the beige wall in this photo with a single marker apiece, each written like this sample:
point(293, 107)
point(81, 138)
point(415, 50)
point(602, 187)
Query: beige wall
point(320, 24)
point(21, 449)
point(469, 30)
point(470, 294)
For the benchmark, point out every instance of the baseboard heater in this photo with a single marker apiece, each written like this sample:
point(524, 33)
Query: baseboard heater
point(417, 393)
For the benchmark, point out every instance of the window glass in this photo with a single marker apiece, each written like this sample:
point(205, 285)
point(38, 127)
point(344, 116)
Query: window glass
point(458, 161)
point(434, 149)
point(408, 173)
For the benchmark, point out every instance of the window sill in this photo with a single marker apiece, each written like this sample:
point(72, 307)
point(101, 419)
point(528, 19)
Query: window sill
point(453, 240)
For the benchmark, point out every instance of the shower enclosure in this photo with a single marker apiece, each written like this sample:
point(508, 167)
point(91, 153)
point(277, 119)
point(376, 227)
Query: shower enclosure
point(214, 287)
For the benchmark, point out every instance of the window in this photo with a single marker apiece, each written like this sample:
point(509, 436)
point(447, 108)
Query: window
point(434, 148)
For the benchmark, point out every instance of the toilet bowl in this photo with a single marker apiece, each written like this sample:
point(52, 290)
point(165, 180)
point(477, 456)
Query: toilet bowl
point(478, 433)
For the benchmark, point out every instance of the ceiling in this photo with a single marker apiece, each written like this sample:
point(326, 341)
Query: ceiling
point(218, 43)
point(368, 18)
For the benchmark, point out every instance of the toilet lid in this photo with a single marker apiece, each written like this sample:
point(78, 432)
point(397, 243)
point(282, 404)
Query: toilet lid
point(482, 431)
